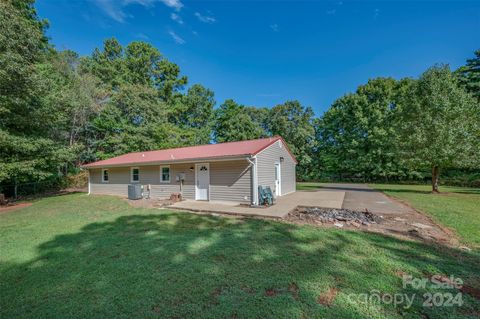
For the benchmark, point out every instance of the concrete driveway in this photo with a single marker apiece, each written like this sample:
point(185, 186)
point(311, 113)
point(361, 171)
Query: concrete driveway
point(361, 197)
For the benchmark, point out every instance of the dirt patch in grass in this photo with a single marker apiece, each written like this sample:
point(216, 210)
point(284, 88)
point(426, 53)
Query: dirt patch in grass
point(149, 203)
point(474, 292)
point(327, 298)
point(271, 292)
point(13, 206)
point(411, 225)
point(291, 289)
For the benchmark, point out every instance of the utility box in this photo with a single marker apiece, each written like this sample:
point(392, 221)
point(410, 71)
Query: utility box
point(135, 191)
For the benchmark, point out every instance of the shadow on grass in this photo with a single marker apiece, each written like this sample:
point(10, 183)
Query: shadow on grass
point(178, 265)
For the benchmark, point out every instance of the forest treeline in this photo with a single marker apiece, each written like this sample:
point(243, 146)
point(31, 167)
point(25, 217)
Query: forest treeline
point(59, 110)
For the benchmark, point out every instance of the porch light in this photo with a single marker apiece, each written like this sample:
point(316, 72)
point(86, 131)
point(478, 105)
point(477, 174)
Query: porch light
point(281, 159)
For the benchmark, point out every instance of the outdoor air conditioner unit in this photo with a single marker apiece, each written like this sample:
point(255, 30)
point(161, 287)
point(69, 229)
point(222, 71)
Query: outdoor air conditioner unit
point(135, 191)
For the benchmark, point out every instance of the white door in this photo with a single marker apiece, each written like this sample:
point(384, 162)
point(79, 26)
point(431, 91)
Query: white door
point(202, 181)
point(278, 180)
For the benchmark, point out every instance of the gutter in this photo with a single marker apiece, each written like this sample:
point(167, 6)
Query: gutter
point(169, 162)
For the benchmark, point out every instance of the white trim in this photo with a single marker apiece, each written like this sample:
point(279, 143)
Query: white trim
point(131, 174)
point(253, 162)
point(279, 175)
point(196, 180)
point(169, 174)
point(103, 175)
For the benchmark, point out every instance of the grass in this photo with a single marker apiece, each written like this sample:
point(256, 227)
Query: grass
point(455, 207)
point(79, 256)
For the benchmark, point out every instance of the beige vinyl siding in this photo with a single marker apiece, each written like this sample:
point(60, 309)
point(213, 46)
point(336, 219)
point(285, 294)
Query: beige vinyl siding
point(266, 160)
point(118, 179)
point(163, 190)
point(229, 180)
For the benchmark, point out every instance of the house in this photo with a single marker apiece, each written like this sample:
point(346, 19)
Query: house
point(226, 171)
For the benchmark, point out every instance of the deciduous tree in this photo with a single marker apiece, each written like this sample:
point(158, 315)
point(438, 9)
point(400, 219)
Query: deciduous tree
point(439, 124)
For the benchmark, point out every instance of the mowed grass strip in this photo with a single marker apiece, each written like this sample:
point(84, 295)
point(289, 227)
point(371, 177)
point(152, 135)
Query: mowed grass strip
point(455, 207)
point(79, 256)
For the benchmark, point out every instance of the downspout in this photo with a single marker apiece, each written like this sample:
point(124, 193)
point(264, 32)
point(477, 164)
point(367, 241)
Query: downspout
point(253, 162)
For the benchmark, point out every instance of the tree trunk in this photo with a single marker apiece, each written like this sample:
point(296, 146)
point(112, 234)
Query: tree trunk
point(435, 176)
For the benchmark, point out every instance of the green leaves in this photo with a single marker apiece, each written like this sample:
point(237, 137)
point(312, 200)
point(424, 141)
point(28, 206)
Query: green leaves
point(357, 135)
point(440, 122)
point(469, 75)
point(294, 123)
point(233, 123)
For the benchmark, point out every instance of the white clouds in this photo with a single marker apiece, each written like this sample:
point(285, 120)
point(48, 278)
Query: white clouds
point(112, 9)
point(115, 9)
point(376, 13)
point(177, 18)
point(331, 12)
point(274, 27)
point(176, 37)
point(176, 4)
point(205, 18)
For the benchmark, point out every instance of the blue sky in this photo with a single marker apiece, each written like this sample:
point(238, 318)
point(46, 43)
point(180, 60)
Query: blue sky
point(263, 53)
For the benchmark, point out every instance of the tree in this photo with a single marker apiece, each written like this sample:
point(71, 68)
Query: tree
point(28, 150)
point(139, 64)
point(469, 75)
point(129, 122)
point(194, 111)
point(21, 47)
point(439, 126)
point(357, 134)
point(233, 123)
point(294, 123)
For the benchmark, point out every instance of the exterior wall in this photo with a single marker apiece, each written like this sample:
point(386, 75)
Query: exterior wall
point(229, 180)
point(266, 160)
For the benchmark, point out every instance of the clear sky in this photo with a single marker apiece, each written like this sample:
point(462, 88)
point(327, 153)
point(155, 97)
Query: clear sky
point(263, 53)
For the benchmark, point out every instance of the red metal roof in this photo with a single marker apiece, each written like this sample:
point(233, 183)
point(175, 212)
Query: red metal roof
point(208, 151)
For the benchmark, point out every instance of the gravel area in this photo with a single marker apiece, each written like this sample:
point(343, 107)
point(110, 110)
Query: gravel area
point(332, 215)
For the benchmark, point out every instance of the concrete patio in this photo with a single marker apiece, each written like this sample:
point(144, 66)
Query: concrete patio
point(283, 205)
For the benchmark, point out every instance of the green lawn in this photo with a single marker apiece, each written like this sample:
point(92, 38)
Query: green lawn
point(455, 207)
point(79, 256)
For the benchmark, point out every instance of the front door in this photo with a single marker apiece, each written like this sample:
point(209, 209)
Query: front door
point(202, 181)
point(278, 180)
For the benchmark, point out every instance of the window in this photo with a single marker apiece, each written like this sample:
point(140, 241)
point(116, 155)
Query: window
point(164, 174)
point(135, 174)
point(105, 175)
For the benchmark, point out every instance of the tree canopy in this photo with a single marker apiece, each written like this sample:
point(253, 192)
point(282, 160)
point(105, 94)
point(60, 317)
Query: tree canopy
point(469, 75)
point(439, 124)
